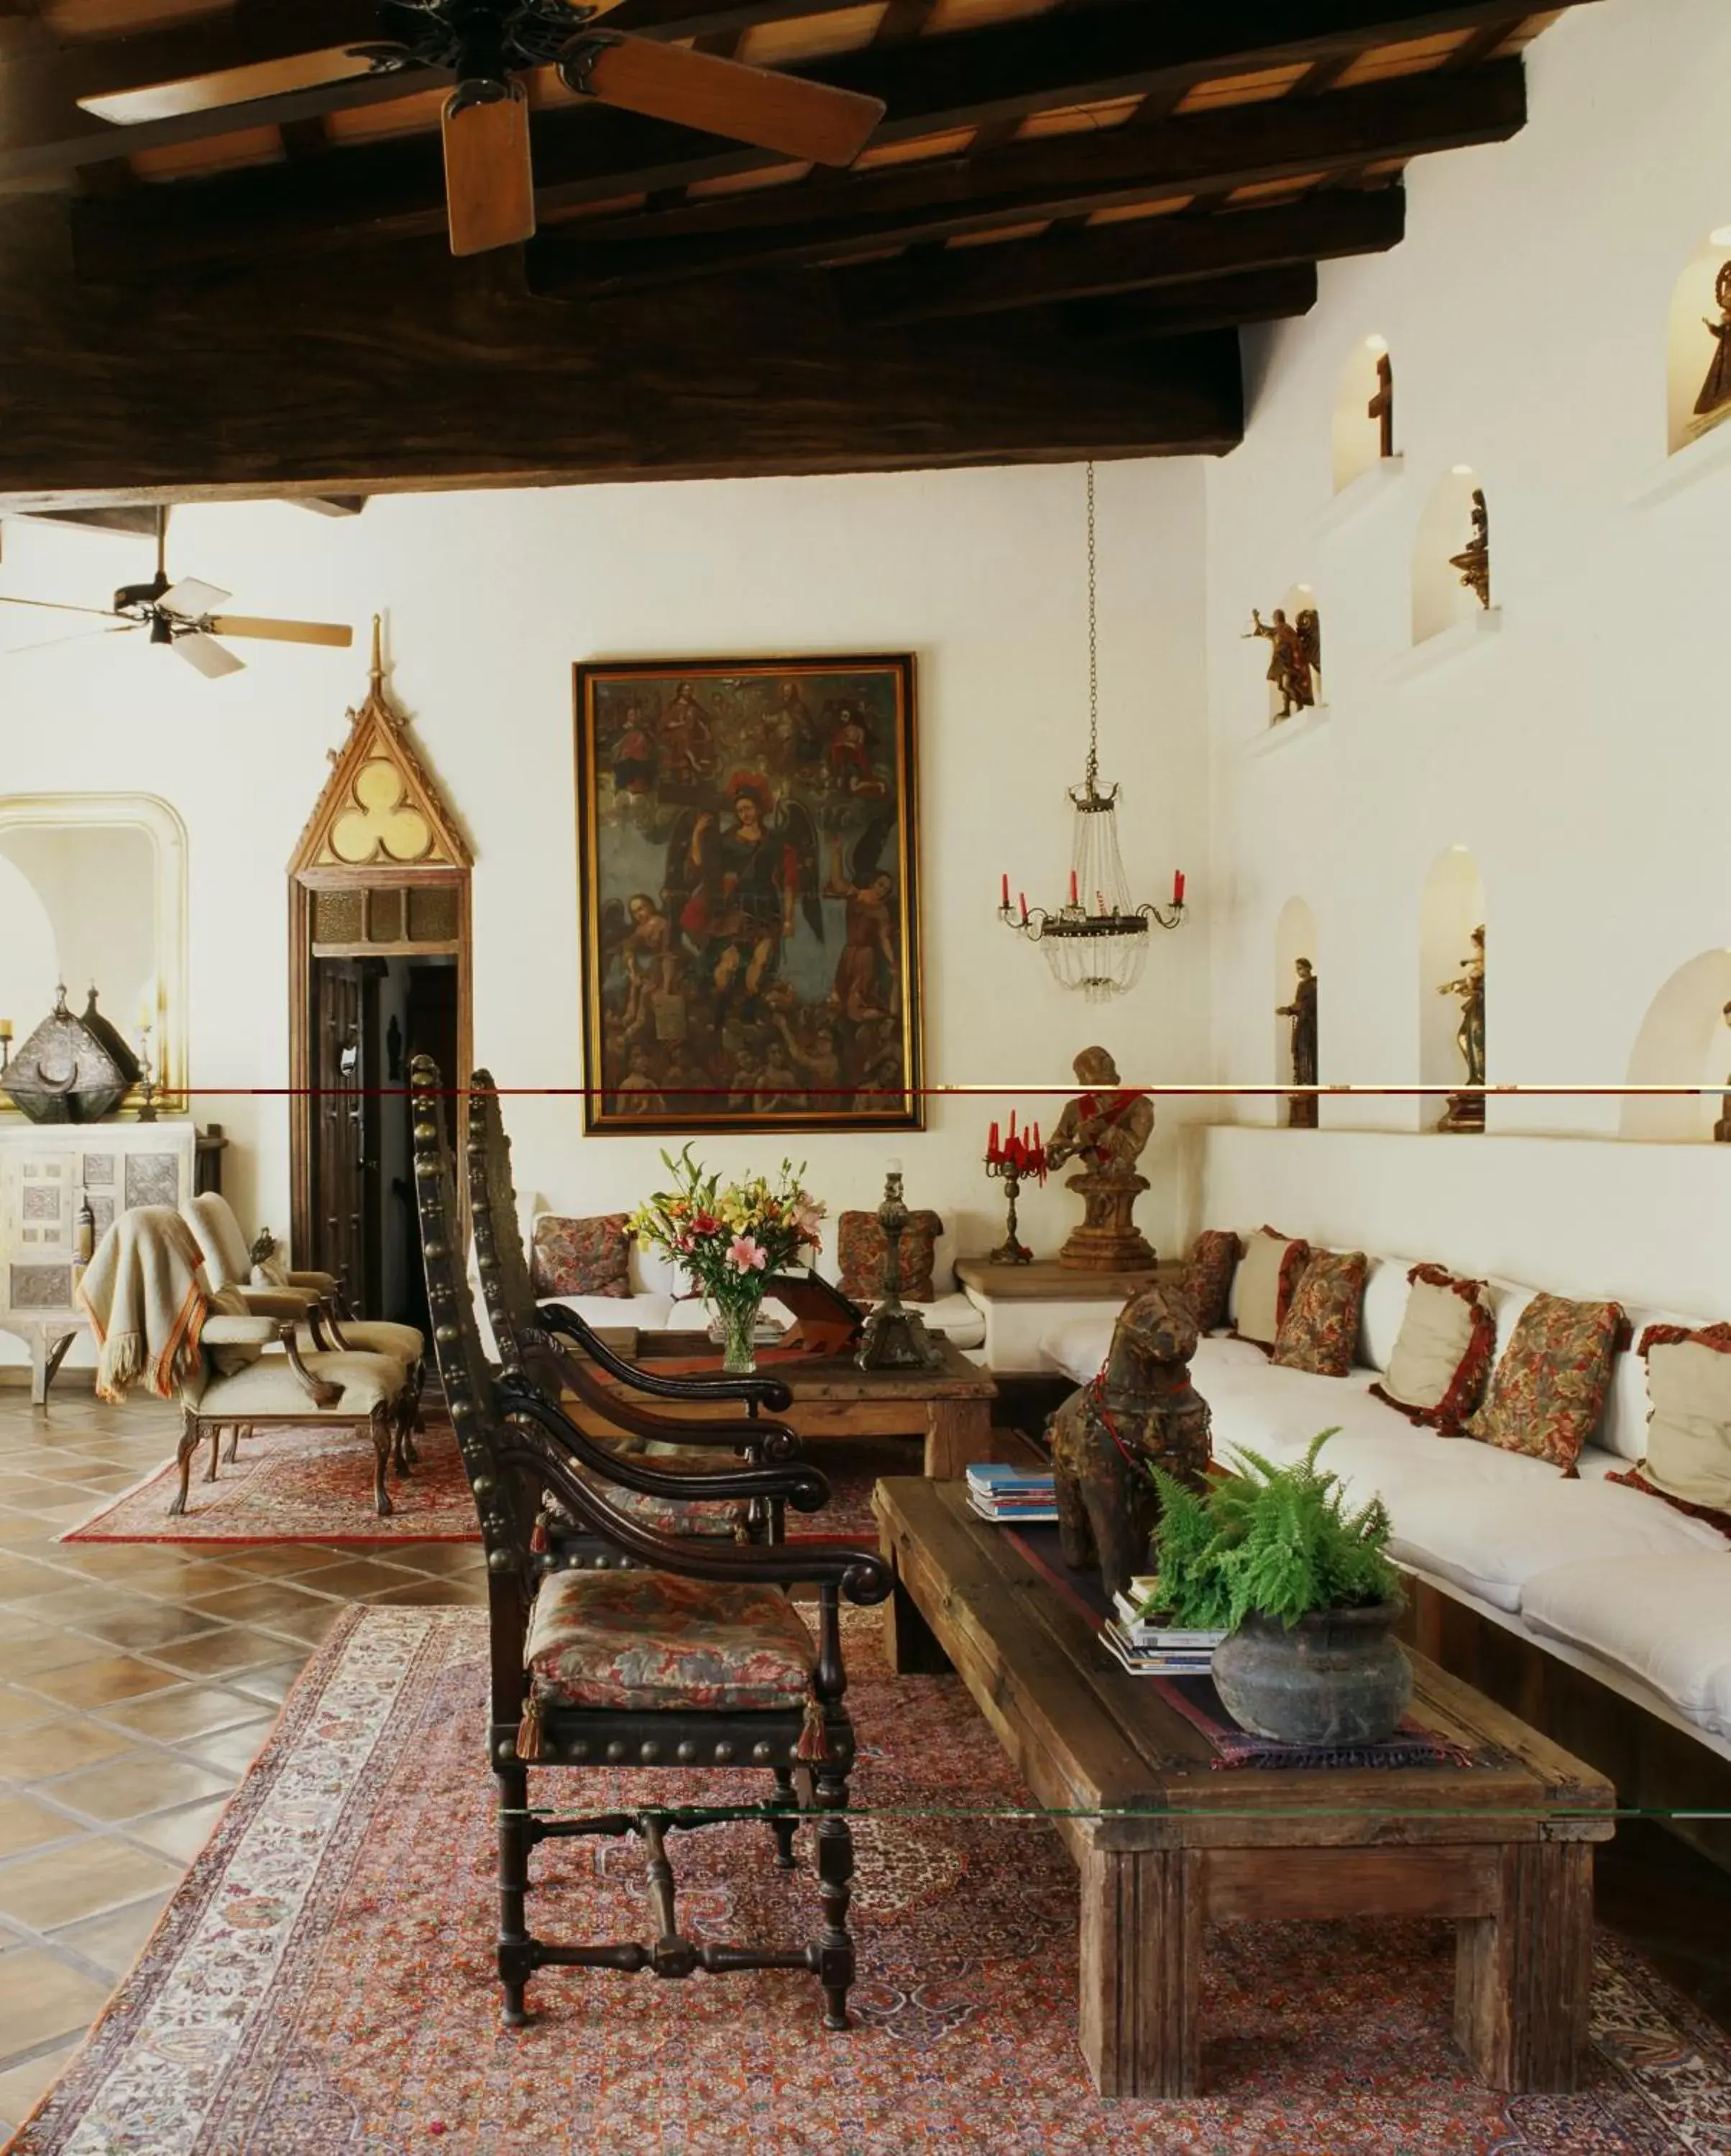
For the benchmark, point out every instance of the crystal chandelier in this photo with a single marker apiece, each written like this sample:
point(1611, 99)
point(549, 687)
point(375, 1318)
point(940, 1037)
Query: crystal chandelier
point(1097, 940)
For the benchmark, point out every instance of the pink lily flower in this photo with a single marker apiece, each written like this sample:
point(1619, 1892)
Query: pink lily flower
point(746, 1253)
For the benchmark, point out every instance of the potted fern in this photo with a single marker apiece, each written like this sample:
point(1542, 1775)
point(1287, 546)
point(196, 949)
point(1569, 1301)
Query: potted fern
point(1304, 1590)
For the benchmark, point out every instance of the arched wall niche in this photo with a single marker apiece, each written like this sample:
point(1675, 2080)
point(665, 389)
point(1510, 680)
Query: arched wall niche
point(1440, 599)
point(29, 960)
point(1691, 349)
point(1451, 906)
point(1357, 437)
point(108, 872)
point(1683, 1041)
point(1295, 937)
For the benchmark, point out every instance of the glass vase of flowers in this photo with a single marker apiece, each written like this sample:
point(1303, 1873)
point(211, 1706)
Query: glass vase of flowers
point(728, 1242)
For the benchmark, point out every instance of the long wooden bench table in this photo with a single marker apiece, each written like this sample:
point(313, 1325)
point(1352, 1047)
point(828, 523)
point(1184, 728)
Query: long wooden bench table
point(1165, 1842)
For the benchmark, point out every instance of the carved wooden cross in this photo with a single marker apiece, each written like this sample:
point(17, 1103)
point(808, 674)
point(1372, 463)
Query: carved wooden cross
point(1382, 405)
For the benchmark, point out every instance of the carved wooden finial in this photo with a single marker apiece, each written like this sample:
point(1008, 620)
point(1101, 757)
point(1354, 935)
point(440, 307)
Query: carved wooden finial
point(378, 670)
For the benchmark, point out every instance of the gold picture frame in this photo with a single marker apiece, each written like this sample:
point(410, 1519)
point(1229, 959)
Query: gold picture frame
point(748, 844)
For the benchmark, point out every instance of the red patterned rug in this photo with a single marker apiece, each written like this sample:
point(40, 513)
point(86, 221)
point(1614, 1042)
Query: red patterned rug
point(323, 1980)
point(316, 1486)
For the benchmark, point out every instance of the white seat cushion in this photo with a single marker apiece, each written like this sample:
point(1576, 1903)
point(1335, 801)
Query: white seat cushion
point(1076, 1346)
point(649, 1313)
point(373, 1335)
point(268, 1386)
point(1477, 1537)
point(1666, 1619)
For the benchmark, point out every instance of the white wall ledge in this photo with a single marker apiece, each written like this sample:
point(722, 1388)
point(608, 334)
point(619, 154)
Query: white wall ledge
point(1279, 732)
point(1446, 645)
point(1699, 459)
point(1376, 483)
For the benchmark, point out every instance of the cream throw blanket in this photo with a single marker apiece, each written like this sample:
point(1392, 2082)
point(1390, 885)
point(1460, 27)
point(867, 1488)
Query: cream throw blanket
point(144, 1294)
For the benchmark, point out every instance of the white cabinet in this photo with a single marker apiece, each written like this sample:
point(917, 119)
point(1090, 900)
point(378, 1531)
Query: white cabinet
point(47, 1171)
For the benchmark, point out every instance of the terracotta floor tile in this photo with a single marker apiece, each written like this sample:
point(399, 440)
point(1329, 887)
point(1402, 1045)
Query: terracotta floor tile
point(58, 1748)
point(21, 1580)
point(272, 1559)
point(159, 1625)
point(59, 1651)
point(100, 1684)
point(172, 1716)
point(181, 1835)
point(20, 2087)
point(114, 1942)
point(42, 1996)
point(183, 1578)
point(72, 1601)
point(358, 1576)
point(18, 1625)
point(230, 1751)
point(25, 1824)
point(273, 1683)
point(435, 1593)
point(19, 1711)
point(311, 1627)
point(96, 1872)
point(257, 1603)
point(445, 1557)
point(137, 1783)
point(217, 1653)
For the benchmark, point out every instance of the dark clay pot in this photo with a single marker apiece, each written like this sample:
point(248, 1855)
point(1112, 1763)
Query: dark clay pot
point(1339, 1676)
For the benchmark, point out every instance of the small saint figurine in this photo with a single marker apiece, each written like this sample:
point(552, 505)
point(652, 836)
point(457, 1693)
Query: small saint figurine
point(1722, 1129)
point(1467, 1110)
point(1302, 1107)
point(1474, 561)
point(1381, 406)
point(1295, 657)
point(1104, 1131)
point(1716, 390)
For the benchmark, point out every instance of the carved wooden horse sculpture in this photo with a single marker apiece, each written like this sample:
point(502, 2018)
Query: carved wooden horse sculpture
point(1142, 1407)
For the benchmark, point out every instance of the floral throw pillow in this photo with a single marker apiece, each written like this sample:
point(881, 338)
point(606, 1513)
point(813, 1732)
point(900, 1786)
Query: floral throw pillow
point(1207, 1284)
point(1549, 1390)
point(583, 1257)
point(859, 1252)
point(1320, 1329)
point(1443, 1353)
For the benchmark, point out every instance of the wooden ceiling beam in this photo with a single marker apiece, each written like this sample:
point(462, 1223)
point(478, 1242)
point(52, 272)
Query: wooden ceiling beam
point(1213, 303)
point(413, 370)
point(1070, 176)
point(967, 79)
point(1100, 260)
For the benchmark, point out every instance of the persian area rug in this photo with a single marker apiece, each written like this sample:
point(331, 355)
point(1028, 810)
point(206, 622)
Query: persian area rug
point(323, 1980)
point(316, 1486)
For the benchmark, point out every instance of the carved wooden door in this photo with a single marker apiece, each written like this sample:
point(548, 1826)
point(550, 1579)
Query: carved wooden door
point(340, 1124)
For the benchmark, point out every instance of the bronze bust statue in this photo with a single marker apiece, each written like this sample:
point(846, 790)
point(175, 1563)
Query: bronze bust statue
point(1104, 1131)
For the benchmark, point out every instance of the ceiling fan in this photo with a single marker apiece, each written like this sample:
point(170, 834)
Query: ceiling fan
point(180, 614)
point(489, 184)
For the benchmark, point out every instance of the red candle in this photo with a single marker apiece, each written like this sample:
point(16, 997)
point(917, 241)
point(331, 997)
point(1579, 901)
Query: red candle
point(1005, 899)
point(1023, 895)
point(1011, 1125)
point(991, 1144)
point(1177, 886)
point(1072, 886)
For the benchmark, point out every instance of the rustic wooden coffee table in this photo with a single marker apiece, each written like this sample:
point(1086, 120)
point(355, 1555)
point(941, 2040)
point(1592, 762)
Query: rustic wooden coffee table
point(1165, 1843)
point(951, 1407)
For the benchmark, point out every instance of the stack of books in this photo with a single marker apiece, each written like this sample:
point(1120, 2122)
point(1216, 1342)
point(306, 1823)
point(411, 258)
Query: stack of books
point(1148, 1649)
point(1012, 1493)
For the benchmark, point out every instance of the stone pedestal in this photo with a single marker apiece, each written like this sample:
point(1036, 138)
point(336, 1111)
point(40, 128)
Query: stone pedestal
point(1108, 1239)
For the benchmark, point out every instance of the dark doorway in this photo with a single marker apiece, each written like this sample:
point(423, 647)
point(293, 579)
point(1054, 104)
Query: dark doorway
point(368, 1017)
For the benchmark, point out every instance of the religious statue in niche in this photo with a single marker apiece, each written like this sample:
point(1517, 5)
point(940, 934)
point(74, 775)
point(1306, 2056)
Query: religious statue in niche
point(1104, 1131)
point(1716, 390)
point(1722, 1129)
point(1295, 656)
point(1302, 1107)
point(1467, 1110)
point(1381, 406)
point(1474, 561)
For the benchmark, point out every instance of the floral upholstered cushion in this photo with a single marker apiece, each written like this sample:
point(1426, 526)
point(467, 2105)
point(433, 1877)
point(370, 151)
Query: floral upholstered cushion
point(673, 1515)
point(1320, 1329)
point(1549, 1389)
point(1208, 1277)
point(582, 1256)
point(1442, 1354)
point(650, 1640)
point(859, 1252)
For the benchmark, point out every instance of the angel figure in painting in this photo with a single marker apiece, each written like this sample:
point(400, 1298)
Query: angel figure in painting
point(687, 737)
point(735, 891)
point(1716, 390)
point(1295, 657)
point(866, 971)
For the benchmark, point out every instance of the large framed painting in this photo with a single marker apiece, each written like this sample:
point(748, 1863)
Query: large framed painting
point(747, 841)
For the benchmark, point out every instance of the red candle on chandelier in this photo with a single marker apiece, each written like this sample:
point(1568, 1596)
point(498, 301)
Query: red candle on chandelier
point(1177, 886)
point(1004, 901)
point(1072, 887)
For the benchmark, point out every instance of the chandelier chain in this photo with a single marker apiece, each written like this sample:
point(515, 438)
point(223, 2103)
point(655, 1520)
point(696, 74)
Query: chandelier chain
point(1093, 650)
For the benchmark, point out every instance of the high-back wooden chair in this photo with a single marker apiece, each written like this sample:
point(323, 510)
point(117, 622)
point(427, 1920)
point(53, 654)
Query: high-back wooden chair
point(700, 1662)
point(564, 1356)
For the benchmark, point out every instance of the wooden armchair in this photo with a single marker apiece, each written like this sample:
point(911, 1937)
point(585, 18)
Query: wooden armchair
point(562, 1354)
point(698, 1661)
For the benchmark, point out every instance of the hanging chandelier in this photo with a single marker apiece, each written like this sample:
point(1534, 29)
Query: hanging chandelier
point(1098, 939)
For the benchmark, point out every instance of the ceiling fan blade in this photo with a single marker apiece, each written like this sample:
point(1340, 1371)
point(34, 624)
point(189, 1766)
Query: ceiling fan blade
point(235, 86)
point(281, 632)
point(489, 183)
point(207, 655)
point(192, 599)
point(807, 119)
point(78, 636)
point(60, 606)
